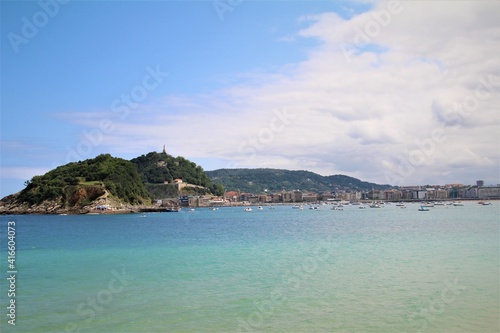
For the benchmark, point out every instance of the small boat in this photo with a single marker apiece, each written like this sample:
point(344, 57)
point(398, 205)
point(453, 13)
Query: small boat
point(313, 207)
point(362, 207)
point(375, 205)
point(456, 203)
point(215, 208)
point(338, 208)
point(484, 203)
point(192, 210)
point(297, 207)
point(260, 208)
point(271, 207)
point(402, 206)
point(423, 209)
point(173, 209)
point(248, 209)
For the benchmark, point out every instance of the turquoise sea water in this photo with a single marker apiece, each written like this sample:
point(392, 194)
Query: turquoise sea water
point(281, 270)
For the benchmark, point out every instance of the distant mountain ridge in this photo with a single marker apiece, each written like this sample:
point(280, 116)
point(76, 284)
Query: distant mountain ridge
point(274, 180)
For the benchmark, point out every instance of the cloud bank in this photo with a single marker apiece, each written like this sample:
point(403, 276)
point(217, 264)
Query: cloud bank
point(405, 93)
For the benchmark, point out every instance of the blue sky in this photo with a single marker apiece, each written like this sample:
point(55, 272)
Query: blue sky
point(367, 89)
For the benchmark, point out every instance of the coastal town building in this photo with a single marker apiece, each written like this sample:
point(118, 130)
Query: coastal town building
point(276, 197)
point(286, 197)
point(407, 193)
point(231, 196)
point(297, 196)
point(492, 192)
point(309, 197)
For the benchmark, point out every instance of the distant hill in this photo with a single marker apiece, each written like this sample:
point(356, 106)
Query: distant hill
point(258, 180)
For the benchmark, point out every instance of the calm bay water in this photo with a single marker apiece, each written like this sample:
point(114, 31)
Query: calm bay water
point(281, 270)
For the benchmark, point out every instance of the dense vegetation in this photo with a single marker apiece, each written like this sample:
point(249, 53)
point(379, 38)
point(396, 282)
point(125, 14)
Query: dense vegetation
point(257, 180)
point(156, 168)
point(118, 176)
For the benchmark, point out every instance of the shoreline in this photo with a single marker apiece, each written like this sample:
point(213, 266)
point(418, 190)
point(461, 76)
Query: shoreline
point(153, 209)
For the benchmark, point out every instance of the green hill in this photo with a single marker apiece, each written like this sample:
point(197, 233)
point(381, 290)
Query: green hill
point(80, 183)
point(157, 168)
point(79, 186)
point(258, 180)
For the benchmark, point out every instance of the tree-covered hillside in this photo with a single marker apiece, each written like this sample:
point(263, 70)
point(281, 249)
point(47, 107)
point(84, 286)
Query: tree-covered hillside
point(156, 168)
point(79, 184)
point(257, 180)
point(87, 179)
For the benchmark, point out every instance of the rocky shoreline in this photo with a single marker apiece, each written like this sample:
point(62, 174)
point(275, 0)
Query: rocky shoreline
point(10, 206)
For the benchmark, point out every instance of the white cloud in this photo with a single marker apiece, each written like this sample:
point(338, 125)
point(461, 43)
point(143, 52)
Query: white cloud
point(363, 101)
